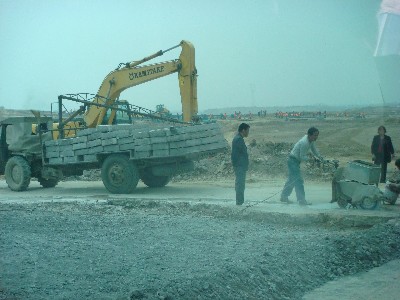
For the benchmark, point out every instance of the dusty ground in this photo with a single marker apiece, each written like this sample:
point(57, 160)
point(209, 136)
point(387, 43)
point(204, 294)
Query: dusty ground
point(188, 240)
point(77, 241)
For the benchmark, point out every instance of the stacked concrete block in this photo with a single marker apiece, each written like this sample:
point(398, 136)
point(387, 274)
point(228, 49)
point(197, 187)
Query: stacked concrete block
point(145, 143)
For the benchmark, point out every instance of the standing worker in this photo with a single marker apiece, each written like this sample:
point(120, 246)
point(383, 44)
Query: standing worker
point(382, 151)
point(240, 161)
point(298, 154)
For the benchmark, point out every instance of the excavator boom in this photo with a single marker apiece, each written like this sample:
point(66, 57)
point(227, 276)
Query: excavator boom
point(133, 74)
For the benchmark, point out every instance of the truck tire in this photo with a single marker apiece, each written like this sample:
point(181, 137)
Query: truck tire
point(48, 183)
point(18, 173)
point(119, 174)
point(154, 181)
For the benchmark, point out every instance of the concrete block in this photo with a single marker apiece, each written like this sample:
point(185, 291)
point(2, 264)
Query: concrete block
point(86, 132)
point(141, 135)
point(167, 130)
point(68, 152)
point(111, 148)
point(145, 141)
point(94, 143)
point(126, 140)
point(109, 141)
point(56, 161)
point(65, 148)
point(120, 127)
point(195, 142)
point(71, 159)
point(84, 151)
point(52, 154)
point(103, 128)
point(163, 146)
point(158, 139)
point(79, 146)
point(125, 147)
point(50, 143)
point(156, 133)
point(143, 148)
point(79, 139)
point(97, 149)
point(108, 135)
point(95, 136)
point(173, 145)
point(160, 153)
point(177, 137)
point(63, 142)
point(52, 148)
point(123, 133)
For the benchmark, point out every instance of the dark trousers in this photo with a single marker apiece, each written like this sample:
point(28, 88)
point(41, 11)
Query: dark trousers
point(240, 182)
point(295, 180)
point(383, 171)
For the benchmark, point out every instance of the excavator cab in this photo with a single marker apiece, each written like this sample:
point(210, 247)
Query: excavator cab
point(123, 116)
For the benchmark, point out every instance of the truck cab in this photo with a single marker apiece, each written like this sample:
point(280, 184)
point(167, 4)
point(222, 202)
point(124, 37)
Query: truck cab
point(21, 152)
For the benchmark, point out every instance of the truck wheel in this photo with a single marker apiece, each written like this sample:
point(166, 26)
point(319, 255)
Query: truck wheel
point(154, 181)
point(119, 174)
point(48, 183)
point(18, 173)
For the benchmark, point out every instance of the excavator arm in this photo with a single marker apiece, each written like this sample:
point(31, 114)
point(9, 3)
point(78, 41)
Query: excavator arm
point(133, 74)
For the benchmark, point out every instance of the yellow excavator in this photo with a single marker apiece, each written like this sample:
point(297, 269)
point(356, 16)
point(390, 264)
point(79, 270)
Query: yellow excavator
point(101, 110)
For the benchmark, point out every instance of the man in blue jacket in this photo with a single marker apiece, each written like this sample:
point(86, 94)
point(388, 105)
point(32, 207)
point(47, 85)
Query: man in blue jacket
point(240, 161)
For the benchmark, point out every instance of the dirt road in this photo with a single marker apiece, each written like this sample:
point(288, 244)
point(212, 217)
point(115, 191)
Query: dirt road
point(184, 241)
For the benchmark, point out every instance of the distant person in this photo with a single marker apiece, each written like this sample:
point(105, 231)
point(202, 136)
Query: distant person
point(298, 154)
point(240, 161)
point(382, 151)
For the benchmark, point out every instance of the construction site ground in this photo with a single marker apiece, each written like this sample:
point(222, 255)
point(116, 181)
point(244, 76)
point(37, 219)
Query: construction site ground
point(189, 240)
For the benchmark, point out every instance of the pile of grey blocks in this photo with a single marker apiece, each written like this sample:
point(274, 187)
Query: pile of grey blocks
point(191, 142)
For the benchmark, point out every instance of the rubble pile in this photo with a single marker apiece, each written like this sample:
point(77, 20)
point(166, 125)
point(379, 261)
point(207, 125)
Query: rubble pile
point(267, 159)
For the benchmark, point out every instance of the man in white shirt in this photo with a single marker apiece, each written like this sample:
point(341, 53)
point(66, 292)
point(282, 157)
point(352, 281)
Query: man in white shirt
point(298, 154)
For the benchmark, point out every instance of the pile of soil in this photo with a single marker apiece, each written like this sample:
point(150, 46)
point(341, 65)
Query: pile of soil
point(266, 160)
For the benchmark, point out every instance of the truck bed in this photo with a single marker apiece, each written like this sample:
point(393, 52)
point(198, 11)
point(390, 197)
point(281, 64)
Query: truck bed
point(189, 142)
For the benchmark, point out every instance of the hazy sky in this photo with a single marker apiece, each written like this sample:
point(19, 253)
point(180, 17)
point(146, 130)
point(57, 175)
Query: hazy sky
point(248, 53)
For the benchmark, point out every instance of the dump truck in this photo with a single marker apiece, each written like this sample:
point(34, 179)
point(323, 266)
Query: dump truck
point(125, 153)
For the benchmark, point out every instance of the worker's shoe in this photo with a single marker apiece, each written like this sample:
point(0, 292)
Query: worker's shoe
point(304, 203)
point(239, 198)
point(286, 200)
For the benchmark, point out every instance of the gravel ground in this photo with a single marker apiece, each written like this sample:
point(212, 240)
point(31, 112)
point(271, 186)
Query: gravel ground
point(141, 249)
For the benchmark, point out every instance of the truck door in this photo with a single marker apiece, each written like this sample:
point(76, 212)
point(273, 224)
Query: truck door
point(3, 148)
